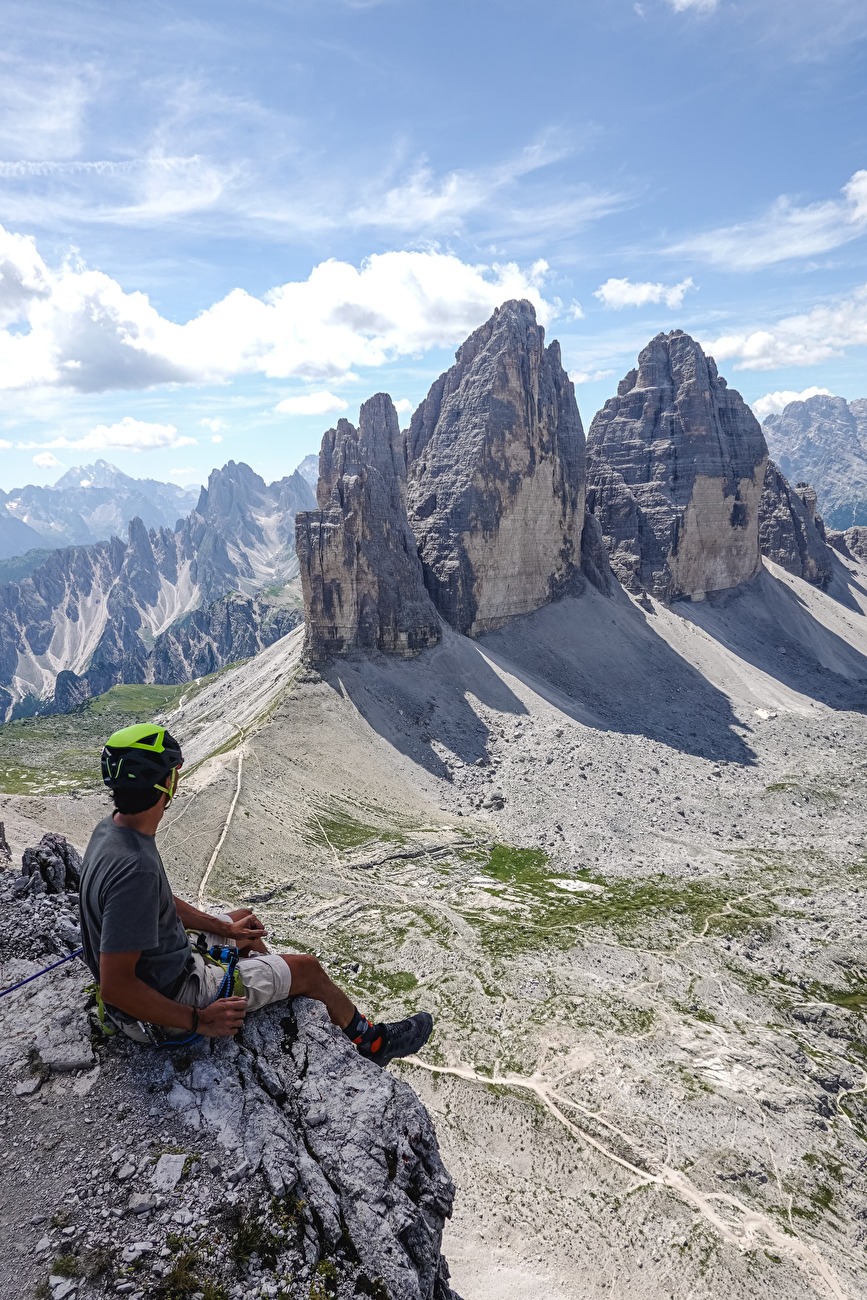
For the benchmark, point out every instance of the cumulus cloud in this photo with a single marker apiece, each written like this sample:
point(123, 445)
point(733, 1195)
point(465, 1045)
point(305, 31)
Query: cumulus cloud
point(216, 437)
point(72, 327)
point(774, 403)
point(126, 435)
point(802, 340)
point(617, 294)
point(46, 460)
point(215, 425)
point(785, 231)
point(589, 376)
point(698, 6)
point(404, 406)
point(4, 444)
point(311, 404)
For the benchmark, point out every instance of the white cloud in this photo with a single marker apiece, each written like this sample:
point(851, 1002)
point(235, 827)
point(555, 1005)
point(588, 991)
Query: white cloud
point(404, 406)
point(184, 472)
point(217, 437)
point(589, 376)
point(4, 444)
point(45, 460)
point(699, 6)
point(617, 294)
point(215, 425)
point(774, 403)
point(126, 435)
point(311, 404)
point(802, 340)
point(41, 109)
point(71, 327)
point(785, 231)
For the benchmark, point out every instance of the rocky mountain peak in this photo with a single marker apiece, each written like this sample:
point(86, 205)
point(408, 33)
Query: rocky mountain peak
point(230, 489)
point(676, 464)
point(360, 571)
point(496, 476)
point(101, 474)
point(823, 440)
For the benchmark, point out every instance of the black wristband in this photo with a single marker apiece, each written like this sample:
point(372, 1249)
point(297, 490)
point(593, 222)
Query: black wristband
point(195, 1026)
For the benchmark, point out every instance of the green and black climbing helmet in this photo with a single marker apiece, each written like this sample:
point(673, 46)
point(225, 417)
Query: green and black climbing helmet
point(141, 759)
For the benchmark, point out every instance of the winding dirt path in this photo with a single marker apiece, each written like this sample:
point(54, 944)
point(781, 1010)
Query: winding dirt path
point(225, 831)
point(745, 1228)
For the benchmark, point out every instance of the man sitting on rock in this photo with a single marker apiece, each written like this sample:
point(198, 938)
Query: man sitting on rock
point(154, 980)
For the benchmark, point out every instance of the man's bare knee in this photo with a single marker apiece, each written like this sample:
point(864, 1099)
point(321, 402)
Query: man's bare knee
point(308, 977)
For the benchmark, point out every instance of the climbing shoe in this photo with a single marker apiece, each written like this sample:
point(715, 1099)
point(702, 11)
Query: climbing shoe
point(402, 1038)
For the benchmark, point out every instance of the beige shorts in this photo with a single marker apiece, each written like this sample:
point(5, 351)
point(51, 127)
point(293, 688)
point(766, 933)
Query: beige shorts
point(266, 977)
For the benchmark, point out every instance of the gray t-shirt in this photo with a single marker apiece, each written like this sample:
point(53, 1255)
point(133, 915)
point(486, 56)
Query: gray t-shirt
point(127, 906)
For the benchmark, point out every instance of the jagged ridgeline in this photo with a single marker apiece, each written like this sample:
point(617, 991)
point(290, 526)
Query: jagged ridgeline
point(167, 605)
point(488, 507)
point(475, 513)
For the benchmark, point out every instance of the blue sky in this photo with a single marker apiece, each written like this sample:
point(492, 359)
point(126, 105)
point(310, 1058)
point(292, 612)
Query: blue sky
point(222, 225)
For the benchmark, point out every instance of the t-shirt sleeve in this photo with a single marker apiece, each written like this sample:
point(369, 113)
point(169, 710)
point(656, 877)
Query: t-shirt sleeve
point(130, 918)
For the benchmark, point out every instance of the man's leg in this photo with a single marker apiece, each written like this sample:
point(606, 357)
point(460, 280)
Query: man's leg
point(378, 1042)
point(310, 981)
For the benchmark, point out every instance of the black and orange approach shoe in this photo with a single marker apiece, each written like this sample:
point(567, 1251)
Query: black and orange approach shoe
point(402, 1038)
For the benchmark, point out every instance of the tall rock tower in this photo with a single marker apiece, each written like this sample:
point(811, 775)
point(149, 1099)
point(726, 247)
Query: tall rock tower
point(360, 572)
point(675, 465)
point(496, 476)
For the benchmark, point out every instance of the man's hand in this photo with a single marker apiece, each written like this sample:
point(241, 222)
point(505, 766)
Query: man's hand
point(246, 930)
point(223, 1018)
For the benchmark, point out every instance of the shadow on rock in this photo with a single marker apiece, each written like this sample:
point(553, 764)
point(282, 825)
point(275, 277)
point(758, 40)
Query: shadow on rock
point(618, 674)
point(768, 624)
point(421, 705)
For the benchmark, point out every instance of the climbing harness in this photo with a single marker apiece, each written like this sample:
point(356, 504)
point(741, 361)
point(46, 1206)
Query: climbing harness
point(79, 952)
point(217, 955)
point(232, 986)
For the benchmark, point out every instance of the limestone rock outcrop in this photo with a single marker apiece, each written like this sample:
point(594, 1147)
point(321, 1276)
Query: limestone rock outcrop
point(852, 543)
point(291, 1161)
point(790, 532)
point(496, 476)
point(675, 467)
point(360, 571)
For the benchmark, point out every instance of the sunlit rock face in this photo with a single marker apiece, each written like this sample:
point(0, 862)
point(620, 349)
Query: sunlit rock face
point(496, 476)
point(676, 465)
point(360, 572)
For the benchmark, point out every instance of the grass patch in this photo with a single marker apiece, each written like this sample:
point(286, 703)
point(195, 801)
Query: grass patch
point(336, 828)
point(58, 753)
point(535, 910)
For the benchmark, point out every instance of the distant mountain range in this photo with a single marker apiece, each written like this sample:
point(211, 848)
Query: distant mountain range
point(90, 503)
point(823, 441)
point(166, 605)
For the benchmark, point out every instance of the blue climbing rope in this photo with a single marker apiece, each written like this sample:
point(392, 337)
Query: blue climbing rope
point(79, 952)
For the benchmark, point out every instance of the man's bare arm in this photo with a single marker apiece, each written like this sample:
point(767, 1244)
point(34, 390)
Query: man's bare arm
point(247, 929)
point(122, 988)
